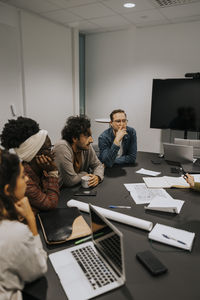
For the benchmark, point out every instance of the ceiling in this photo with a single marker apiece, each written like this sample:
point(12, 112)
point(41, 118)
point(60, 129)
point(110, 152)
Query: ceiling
point(91, 16)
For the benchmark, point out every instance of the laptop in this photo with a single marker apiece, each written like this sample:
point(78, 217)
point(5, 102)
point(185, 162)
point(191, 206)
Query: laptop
point(92, 268)
point(192, 168)
point(178, 153)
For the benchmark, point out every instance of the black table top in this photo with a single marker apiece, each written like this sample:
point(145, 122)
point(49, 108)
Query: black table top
point(182, 279)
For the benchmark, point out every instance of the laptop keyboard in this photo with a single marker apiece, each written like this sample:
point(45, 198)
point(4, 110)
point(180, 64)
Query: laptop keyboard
point(111, 247)
point(93, 267)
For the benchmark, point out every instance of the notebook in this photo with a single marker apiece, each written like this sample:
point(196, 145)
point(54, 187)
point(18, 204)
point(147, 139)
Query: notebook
point(62, 224)
point(172, 236)
point(165, 182)
point(178, 153)
point(98, 266)
point(165, 205)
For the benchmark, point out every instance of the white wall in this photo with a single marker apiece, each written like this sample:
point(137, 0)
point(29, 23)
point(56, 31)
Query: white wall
point(121, 66)
point(36, 69)
point(10, 67)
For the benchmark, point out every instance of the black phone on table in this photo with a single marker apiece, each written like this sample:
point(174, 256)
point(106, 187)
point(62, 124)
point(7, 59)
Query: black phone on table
point(151, 262)
point(86, 193)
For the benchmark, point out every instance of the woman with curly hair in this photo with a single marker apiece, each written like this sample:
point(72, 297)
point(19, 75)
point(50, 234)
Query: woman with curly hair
point(33, 146)
point(21, 253)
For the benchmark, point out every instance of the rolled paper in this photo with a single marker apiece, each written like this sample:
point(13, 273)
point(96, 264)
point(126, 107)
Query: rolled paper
point(112, 215)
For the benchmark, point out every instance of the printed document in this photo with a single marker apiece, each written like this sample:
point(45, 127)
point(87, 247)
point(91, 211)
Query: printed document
point(147, 172)
point(166, 182)
point(141, 194)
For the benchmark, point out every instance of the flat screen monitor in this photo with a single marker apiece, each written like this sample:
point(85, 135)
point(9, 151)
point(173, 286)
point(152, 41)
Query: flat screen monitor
point(176, 104)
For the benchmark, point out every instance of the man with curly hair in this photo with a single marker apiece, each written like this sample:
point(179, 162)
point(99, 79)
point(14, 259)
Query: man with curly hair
point(74, 155)
point(33, 146)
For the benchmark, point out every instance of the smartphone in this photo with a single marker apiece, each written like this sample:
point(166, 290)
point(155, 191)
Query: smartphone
point(86, 193)
point(151, 262)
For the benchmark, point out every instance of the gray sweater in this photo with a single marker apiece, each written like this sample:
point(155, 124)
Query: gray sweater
point(64, 158)
point(22, 258)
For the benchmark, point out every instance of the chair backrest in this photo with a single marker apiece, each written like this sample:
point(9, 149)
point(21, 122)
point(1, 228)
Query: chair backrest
point(194, 143)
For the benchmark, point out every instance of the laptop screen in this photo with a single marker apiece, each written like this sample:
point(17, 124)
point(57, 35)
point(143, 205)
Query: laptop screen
point(108, 240)
point(178, 153)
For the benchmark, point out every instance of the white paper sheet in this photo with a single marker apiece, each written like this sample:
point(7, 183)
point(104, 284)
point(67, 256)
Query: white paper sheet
point(176, 237)
point(165, 182)
point(115, 216)
point(196, 177)
point(167, 205)
point(147, 172)
point(141, 194)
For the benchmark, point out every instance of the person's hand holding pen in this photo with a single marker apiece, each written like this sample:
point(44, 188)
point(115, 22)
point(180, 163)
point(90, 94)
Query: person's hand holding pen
point(189, 179)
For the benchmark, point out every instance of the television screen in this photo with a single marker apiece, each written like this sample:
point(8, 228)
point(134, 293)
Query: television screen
point(176, 104)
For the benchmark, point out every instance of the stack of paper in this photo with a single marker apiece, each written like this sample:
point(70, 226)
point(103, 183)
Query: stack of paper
point(141, 194)
point(172, 236)
point(166, 182)
point(166, 205)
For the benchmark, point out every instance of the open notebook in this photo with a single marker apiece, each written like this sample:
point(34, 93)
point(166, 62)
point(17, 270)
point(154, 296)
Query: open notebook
point(172, 236)
point(165, 182)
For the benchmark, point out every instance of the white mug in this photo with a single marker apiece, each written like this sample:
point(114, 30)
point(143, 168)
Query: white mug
point(84, 181)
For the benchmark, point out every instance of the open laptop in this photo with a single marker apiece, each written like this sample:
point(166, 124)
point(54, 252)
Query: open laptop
point(95, 267)
point(178, 153)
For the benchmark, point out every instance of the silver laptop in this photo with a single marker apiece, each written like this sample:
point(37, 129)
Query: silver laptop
point(178, 153)
point(93, 268)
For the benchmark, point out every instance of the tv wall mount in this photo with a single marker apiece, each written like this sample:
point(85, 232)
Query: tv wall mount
point(193, 75)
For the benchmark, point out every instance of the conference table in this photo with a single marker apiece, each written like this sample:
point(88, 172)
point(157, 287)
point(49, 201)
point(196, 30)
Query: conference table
point(182, 281)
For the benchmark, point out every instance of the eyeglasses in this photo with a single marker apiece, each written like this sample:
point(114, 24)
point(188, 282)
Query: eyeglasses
point(121, 121)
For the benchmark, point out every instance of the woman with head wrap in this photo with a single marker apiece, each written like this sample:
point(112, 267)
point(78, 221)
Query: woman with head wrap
point(33, 146)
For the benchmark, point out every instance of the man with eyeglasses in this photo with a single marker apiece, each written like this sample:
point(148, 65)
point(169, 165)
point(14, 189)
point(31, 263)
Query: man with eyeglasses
point(118, 144)
point(74, 155)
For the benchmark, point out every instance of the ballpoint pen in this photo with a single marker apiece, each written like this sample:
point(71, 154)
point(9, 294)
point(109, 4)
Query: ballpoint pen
point(118, 206)
point(88, 238)
point(172, 238)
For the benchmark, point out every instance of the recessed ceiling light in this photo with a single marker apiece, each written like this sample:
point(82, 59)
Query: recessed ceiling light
point(129, 5)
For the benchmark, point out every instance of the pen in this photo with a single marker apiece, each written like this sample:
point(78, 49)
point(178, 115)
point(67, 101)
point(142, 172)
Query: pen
point(184, 173)
point(118, 206)
point(172, 238)
point(88, 238)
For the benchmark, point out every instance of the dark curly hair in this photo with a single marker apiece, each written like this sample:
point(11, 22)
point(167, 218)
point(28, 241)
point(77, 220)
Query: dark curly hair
point(9, 171)
point(15, 132)
point(74, 127)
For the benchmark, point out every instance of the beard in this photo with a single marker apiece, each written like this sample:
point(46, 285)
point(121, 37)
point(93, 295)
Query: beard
point(81, 147)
